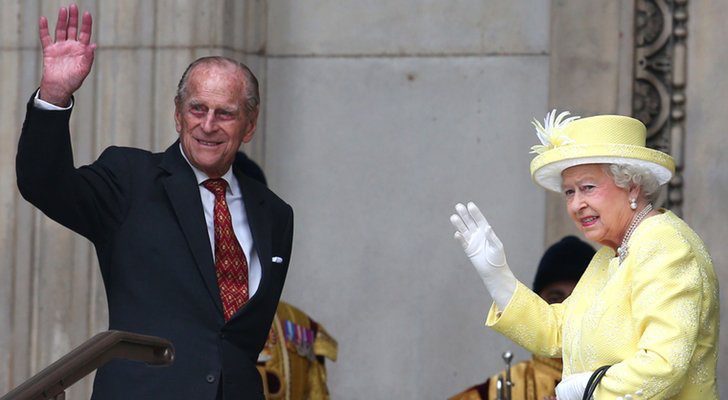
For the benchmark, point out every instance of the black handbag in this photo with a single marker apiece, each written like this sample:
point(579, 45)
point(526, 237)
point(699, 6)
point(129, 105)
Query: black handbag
point(594, 379)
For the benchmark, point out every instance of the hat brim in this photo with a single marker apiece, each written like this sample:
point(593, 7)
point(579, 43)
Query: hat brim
point(546, 168)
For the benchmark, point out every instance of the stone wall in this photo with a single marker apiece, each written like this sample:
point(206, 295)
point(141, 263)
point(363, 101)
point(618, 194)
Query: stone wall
point(381, 118)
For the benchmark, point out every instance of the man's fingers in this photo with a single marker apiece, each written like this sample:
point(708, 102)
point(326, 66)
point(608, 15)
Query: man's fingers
point(89, 55)
point(62, 24)
point(86, 22)
point(72, 22)
point(45, 37)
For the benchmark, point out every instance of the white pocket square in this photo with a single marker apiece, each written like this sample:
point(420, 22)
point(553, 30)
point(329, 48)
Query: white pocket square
point(277, 260)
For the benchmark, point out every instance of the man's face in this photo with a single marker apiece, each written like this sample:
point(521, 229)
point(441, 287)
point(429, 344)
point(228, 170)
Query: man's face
point(211, 120)
point(557, 292)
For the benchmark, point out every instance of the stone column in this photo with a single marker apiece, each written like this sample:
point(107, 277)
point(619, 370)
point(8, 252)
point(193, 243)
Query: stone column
point(706, 150)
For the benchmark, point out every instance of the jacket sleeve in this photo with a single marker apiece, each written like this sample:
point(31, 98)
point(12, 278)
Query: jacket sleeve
point(530, 322)
point(89, 200)
point(666, 308)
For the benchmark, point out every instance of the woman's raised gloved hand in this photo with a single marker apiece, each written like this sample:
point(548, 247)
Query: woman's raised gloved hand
point(485, 251)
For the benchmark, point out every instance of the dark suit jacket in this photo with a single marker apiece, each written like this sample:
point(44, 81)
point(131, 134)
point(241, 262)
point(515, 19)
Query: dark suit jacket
point(143, 213)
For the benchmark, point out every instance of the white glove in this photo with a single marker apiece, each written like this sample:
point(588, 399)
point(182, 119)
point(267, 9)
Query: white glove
point(485, 251)
point(573, 386)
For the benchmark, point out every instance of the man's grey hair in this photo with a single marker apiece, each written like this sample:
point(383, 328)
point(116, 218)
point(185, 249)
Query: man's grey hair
point(251, 95)
point(625, 176)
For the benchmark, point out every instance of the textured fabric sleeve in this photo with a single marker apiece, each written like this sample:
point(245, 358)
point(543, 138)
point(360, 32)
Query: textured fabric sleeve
point(666, 300)
point(530, 322)
point(89, 200)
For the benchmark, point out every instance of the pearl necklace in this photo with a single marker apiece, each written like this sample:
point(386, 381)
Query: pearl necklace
point(623, 248)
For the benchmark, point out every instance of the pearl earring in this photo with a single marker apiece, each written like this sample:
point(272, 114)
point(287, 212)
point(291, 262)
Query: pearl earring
point(633, 204)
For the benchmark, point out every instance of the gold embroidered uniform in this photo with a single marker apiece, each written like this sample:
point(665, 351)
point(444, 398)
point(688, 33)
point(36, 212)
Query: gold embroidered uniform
point(292, 362)
point(533, 380)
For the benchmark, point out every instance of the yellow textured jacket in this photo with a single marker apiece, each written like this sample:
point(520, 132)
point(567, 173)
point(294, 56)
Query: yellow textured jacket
point(654, 317)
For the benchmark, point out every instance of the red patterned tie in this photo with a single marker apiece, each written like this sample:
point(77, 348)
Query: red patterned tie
point(230, 263)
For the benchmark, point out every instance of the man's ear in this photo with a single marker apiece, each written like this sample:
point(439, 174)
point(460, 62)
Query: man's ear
point(252, 125)
point(177, 118)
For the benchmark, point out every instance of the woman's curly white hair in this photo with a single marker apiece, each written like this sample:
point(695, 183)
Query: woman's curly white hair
point(625, 176)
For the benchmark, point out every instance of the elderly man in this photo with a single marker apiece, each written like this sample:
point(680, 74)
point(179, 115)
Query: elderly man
point(190, 248)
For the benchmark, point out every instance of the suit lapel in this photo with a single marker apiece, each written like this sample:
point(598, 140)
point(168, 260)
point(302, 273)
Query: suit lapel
point(183, 193)
point(256, 211)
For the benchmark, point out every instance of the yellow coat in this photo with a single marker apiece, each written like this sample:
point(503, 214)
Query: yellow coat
point(654, 317)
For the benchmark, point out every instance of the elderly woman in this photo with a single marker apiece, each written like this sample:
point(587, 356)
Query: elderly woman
point(647, 304)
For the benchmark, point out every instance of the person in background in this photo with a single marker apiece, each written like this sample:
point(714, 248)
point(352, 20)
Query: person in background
point(292, 362)
point(646, 309)
point(558, 271)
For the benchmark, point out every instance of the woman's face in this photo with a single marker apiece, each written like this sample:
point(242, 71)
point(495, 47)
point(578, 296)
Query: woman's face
point(598, 207)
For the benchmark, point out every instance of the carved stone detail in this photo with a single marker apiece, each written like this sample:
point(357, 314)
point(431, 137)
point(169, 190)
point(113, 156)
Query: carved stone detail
point(659, 83)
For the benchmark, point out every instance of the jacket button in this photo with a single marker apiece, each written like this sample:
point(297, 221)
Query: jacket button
point(210, 378)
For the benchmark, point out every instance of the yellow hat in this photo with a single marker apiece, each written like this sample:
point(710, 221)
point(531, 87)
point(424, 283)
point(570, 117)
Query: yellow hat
point(602, 139)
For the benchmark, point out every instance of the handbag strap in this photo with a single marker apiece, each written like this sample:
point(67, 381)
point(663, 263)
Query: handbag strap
point(594, 379)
